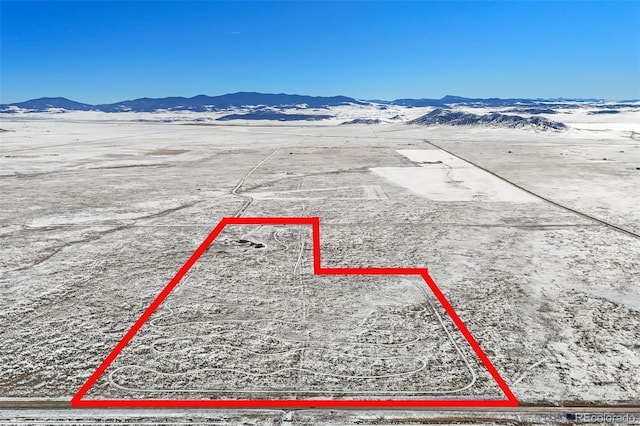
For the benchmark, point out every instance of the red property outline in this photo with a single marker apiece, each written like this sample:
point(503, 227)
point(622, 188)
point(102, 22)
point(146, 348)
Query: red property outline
point(79, 401)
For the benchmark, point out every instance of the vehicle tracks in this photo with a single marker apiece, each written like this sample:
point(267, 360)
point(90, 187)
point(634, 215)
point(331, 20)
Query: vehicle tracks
point(248, 199)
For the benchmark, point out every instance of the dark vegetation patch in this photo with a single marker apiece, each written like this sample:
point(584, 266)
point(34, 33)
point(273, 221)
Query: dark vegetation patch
point(363, 121)
point(251, 243)
point(604, 111)
point(442, 116)
point(274, 115)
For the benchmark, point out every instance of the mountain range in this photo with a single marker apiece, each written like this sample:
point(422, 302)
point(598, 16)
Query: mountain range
point(202, 103)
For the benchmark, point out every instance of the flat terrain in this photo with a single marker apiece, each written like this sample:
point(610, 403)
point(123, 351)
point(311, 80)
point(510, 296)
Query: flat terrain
point(99, 214)
point(283, 332)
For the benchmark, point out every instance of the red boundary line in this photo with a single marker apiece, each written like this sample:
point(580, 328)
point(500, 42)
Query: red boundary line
point(79, 401)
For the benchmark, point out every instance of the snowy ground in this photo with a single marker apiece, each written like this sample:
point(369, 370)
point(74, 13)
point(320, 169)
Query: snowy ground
point(99, 212)
point(282, 332)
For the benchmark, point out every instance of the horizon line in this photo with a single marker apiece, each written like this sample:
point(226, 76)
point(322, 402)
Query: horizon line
point(368, 99)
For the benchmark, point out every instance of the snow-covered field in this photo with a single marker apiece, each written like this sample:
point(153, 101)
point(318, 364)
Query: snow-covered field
point(444, 177)
point(100, 211)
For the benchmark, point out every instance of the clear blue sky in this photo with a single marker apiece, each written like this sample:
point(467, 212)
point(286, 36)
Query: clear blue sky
point(101, 52)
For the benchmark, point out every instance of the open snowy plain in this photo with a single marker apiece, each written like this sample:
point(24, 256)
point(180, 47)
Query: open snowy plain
point(532, 237)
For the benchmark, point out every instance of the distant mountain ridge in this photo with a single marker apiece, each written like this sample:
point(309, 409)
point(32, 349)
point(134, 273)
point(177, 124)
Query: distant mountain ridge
point(203, 103)
point(44, 104)
point(459, 100)
point(450, 100)
point(199, 103)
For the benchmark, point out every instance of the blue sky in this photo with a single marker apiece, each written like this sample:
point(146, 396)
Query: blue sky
point(101, 52)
